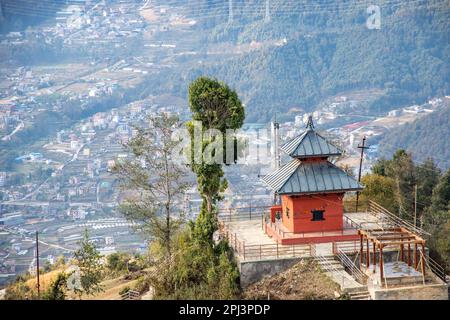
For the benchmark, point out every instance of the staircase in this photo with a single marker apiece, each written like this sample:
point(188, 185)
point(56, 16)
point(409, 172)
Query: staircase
point(359, 295)
point(336, 271)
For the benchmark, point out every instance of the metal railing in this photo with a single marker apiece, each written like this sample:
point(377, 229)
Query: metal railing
point(436, 268)
point(351, 267)
point(263, 251)
point(391, 220)
point(275, 227)
point(327, 266)
point(347, 247)
point(130, 295)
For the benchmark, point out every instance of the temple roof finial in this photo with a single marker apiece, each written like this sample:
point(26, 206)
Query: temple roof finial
point(310, 123)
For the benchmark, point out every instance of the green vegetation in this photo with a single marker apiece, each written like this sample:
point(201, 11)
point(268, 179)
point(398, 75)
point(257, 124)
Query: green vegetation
point(425, 138)
point(187, 262)
point(215, 106)
point(331, 51)
point(88, 260)
point(203, 268)
point(58, 288)
point(393, 184)
point(154, 180)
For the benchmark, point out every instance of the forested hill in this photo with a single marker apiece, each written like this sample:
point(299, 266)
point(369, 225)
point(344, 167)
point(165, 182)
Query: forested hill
point(327, 49)
point(428, 136)
point(17, 15)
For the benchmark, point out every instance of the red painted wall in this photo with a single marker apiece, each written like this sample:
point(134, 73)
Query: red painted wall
point(297, 214)
point(273, 212)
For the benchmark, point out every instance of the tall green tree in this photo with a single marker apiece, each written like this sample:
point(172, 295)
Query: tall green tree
point(438, 213)
point(402, 170)
point(153, 181)
point(88, 260)
point(428, 175)
point(215, 106)
point(380, 189)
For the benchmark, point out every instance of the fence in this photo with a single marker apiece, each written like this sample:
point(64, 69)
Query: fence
point(243, 213)
point(264, 251)
point(391, 220)
point(350, 266)
point(347, 247)
point(130, 295)
point(437, 269)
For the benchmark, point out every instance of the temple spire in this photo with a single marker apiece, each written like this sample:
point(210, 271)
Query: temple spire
point(310, 123)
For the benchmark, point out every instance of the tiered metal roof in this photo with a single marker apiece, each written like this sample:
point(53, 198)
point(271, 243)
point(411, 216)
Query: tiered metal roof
point(310, 144)
point(297, 177)
point(306, 177)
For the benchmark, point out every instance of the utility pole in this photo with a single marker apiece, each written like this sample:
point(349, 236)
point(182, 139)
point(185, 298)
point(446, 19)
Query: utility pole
point(415, 205)
point(276, 151)
point(37, 266)
point(362, 147)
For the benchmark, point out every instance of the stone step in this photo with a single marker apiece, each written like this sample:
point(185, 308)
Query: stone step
point(359, 292)
point(360, 296)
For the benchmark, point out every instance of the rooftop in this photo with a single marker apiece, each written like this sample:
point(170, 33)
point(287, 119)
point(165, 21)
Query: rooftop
point(310, 144)
point(299, 177)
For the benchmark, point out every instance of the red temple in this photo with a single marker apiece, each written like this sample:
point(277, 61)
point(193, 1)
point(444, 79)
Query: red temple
point(311, 189)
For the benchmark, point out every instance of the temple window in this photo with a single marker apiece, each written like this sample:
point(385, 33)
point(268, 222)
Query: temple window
point(317, 215)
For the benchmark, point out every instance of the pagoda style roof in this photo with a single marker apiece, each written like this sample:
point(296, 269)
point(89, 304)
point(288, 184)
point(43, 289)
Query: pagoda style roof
point(310, 144)
point(299, 177)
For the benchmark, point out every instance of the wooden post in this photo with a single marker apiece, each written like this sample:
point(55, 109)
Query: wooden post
point(260, 252)
point(409, 254)
point(361, 248)
point(416, 260)
point(381, 264)
point(37, 267)
point(422, 259)
point(243, 247)
point(367, 254)
point(402, 253)
point(374, 257)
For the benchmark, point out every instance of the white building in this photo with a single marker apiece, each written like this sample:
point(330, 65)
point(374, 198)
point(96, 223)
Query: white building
point(2, 179)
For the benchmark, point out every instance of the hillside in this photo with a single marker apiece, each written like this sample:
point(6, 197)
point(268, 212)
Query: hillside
point(308, 52)
point(17, 15)
point(426, 137)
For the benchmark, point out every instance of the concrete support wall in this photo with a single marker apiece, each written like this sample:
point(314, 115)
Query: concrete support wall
point(427, 292)
point(253, 271)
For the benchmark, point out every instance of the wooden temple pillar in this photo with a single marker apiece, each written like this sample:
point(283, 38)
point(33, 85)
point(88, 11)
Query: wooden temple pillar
point(367, 254)
point(374, 257)
point(361, 251)
point(409, 254)
point(381, 263)
point(402, 253)
point(416, 260)
point(422, 259)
